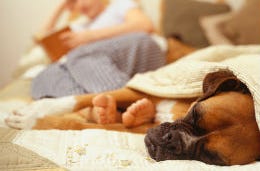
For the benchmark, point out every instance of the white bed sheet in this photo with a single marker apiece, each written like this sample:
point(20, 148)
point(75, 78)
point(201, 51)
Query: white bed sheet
point(105, 150)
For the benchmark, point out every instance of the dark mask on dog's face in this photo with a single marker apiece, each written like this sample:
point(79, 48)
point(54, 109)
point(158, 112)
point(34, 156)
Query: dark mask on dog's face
point(179, 141)
point(220, 128)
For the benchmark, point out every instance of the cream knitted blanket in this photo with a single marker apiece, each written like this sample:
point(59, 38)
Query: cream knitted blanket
point(184, 78)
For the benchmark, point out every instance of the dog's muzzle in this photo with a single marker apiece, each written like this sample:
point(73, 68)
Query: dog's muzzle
point(178, 141)
point(171, 141)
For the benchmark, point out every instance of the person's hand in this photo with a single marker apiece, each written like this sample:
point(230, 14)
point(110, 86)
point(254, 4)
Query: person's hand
point(75, 39)
point(68, 4)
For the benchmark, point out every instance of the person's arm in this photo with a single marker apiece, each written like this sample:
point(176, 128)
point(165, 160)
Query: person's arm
point(52, 20)
point(135, 21)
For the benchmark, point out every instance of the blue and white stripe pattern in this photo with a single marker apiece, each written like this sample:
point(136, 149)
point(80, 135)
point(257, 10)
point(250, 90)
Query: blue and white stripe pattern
point(100, 66)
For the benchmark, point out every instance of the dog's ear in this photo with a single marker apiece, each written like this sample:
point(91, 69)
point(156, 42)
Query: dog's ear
point(220, 81)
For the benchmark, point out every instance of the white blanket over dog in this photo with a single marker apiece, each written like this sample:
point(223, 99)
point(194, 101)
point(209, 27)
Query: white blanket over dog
point(184, 78)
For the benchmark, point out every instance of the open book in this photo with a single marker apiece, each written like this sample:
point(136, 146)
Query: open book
point(53, 44)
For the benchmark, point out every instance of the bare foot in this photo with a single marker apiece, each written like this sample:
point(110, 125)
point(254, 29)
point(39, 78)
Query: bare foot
point(140, 112)
point(104, 109)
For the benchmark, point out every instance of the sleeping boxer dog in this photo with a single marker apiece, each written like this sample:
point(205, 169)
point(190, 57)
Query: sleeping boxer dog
point(219, 128)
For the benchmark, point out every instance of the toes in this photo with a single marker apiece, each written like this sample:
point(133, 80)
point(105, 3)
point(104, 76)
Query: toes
point(137, 106)
point(147, 104)
point(139, 113)
point(111, 102)
point(100, 114)
point(144, 103)
point(105, 109)
point(141, 103)
point(132, 109)
point(128, 119)
point(100, 100)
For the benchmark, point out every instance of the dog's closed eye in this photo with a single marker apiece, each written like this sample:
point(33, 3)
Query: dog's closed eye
point(193, 118)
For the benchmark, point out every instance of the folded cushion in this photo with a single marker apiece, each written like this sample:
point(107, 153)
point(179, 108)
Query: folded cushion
point(210, 24)
point(180, 19)
point(244, 26)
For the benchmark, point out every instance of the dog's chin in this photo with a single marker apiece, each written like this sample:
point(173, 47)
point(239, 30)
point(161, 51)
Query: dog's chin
point(170, 141)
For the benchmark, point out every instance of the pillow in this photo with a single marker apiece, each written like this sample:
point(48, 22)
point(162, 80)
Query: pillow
point(152, 8)
point(210, 24)
point(180, 19)
point(244, 26)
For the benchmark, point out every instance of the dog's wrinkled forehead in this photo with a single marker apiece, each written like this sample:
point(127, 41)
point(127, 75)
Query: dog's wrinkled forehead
point(221, 81)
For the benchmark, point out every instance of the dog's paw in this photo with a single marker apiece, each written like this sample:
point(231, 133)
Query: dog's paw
point(26, 117)
point(14, 120)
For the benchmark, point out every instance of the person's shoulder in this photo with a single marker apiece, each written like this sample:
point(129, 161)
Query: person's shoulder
point(123, 3)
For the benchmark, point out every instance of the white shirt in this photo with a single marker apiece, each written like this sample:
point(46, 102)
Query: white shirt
point(114, 14)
